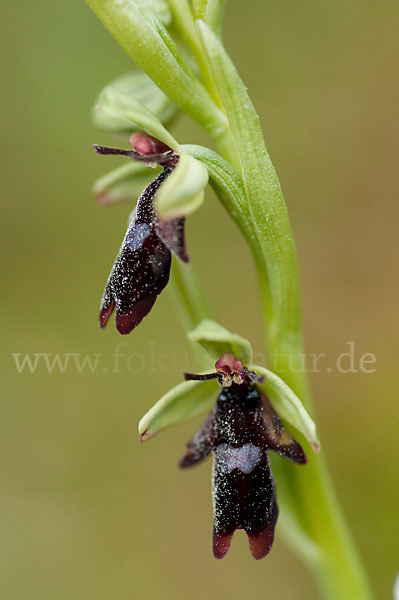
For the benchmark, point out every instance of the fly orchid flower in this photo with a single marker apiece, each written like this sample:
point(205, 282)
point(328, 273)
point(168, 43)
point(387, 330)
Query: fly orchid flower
point(239, 431)
point(142, 266)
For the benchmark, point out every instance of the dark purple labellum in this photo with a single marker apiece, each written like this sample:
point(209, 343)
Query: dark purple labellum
point(141, 269)
point(239, 431)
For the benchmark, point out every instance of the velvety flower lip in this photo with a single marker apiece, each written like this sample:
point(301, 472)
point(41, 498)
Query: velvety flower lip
point(141, 269)
point(241, 428)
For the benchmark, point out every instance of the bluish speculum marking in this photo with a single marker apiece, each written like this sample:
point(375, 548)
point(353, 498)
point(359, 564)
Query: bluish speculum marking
point(229, 458)
point(137, 235)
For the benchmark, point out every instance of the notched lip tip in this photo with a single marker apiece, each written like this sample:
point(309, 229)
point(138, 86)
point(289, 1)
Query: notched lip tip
point(260, 544)
point(221, 544)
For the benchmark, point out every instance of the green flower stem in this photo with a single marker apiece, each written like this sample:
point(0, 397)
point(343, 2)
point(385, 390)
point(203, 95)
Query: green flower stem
point(337, 567)
point(191, 306)
point(313, 520)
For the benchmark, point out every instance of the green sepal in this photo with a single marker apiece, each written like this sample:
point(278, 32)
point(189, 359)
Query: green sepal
point(123, 184)
point(115, 106)
point(183, 191)
point(288, 406)
point(108, 112)
point(217, 340)
point(183, 402)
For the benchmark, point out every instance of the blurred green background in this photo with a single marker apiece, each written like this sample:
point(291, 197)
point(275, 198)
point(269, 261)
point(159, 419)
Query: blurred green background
point(86, 511)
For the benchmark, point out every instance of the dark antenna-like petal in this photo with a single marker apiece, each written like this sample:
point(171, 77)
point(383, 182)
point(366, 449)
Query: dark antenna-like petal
point(276, 437)
point(171, 233)
point(199, 377)
point(202, 443)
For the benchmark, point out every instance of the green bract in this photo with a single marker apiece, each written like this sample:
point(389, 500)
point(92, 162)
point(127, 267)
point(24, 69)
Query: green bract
point(229, 188)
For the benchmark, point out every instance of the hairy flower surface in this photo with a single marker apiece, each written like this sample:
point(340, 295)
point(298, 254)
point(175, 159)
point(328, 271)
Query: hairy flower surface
point(239, 431)
point(141, 269)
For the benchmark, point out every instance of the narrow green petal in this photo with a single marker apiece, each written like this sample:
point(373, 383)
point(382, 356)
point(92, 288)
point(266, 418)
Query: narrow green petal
point(287, 404)
point(217, 341)
point(183, 402)
point(183, 191)
point(229, 188)
point(123, 184)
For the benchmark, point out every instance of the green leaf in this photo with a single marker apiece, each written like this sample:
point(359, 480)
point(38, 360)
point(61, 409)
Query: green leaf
point(287, 404)
point(217, 341)
point(114, 106)
point(123, 184)
point(108, 113)
point(183, 402)
point(183, 191)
